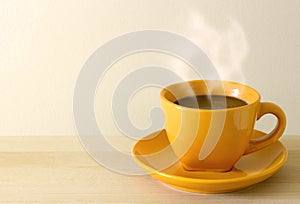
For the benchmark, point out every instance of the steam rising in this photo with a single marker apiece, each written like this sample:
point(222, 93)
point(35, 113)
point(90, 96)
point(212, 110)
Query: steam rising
point(226, 47)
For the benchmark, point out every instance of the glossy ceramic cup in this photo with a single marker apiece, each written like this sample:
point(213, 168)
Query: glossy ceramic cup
point(216, 139)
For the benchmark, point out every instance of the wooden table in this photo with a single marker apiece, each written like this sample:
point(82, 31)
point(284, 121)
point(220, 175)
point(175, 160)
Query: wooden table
point(58, 170)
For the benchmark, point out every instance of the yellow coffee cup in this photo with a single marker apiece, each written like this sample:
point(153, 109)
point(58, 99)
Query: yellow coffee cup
point(215, 138)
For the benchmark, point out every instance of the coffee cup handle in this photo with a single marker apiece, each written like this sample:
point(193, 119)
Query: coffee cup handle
point(275, 134)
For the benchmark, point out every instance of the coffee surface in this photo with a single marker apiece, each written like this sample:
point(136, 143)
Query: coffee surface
point(210, 102)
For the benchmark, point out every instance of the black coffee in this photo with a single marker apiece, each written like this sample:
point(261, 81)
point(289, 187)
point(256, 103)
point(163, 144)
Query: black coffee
point(210, 102)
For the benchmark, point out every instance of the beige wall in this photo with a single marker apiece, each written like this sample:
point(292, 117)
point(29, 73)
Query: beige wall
point(43, 45)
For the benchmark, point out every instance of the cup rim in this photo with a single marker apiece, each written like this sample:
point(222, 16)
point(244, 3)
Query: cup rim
point(165, 90)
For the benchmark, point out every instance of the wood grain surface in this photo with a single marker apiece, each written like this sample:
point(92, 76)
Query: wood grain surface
point(56, 169)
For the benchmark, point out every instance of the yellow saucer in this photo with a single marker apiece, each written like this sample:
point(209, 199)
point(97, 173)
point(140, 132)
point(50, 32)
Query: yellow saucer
point(153, 152)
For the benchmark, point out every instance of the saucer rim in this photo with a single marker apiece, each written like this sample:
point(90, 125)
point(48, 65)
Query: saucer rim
point(262, 174)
